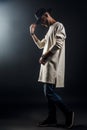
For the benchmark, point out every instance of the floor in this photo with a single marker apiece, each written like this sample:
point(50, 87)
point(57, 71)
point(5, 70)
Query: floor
point(26, 117)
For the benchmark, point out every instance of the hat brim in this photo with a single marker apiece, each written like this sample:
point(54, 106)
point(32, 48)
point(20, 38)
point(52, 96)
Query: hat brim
point(38, 21)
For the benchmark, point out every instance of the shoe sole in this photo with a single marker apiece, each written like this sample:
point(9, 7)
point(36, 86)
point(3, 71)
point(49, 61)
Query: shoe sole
point(47, 125)
point(72, 120)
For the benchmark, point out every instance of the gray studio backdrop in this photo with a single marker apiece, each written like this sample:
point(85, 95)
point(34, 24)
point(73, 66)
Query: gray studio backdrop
point(19, 66)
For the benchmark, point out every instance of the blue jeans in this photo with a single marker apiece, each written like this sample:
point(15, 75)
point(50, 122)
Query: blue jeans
point(54, 100)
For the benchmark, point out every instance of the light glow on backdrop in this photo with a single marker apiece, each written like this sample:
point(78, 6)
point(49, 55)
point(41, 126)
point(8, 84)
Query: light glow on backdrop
point(5, 30)
point(13, 31)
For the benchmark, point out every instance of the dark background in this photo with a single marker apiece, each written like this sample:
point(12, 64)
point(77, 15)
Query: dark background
point(19, 66)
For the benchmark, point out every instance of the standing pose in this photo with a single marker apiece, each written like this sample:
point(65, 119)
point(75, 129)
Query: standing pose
point(52, 63)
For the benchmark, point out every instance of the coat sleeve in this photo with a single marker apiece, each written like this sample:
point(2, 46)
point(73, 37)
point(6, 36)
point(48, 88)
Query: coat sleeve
point(60, 36)
point(40, 43)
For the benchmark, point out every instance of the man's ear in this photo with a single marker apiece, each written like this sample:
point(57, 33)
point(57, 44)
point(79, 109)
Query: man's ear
point(46, 14)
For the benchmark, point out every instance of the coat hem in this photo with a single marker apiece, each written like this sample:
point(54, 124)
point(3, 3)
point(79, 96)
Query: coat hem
point(57, 86)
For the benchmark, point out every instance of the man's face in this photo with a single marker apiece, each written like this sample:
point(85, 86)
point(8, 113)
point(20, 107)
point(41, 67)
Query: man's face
point(44, 20)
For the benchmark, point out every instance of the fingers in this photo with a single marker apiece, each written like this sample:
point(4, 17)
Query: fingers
point(34, 25)
point(32, 28)
point(42, 61)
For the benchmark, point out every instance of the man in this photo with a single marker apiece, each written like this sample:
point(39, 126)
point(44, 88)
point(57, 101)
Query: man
point(52, 65)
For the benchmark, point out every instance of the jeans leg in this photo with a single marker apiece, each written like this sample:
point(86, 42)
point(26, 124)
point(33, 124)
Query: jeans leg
point(49, 90)
point(51, 105)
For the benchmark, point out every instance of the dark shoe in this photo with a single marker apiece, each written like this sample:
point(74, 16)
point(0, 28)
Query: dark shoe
point(69, 120)
point(48, 122)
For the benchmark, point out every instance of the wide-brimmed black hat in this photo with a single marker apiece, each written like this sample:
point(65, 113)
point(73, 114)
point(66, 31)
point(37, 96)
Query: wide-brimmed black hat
point(40, 12)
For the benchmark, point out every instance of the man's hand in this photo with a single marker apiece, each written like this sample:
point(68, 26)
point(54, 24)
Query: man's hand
point(32, 28)
point(42, 61)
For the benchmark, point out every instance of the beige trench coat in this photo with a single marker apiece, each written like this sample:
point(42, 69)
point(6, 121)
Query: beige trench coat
point(54, 69)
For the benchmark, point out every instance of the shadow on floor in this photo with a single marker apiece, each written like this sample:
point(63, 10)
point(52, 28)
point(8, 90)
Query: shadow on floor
point(58, 127)
point(75, 127)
